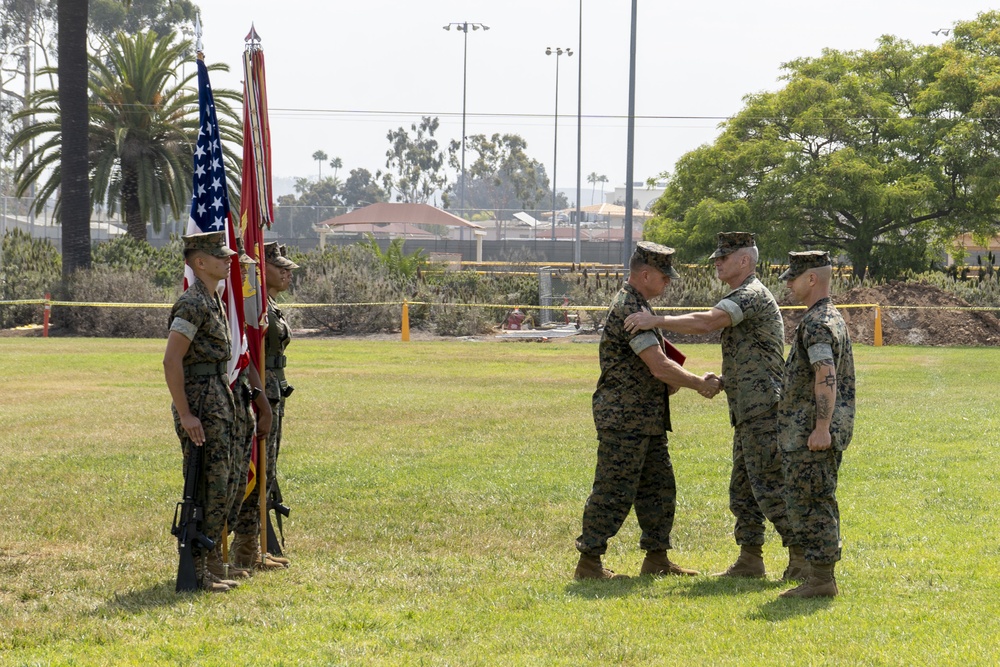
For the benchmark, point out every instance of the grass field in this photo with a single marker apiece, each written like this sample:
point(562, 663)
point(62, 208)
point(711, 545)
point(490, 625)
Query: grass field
point(436, 489)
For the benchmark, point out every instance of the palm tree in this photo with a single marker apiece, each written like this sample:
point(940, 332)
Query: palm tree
point(594, 179)
point(320, 157)
point(336, 163)
point(142, 130)
point(72, 128)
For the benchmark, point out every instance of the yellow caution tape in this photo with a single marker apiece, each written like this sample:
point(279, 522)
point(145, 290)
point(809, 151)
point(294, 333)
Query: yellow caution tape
point(559, 306)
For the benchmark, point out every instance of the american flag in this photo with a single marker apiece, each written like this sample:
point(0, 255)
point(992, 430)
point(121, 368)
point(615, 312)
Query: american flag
point(210, 211)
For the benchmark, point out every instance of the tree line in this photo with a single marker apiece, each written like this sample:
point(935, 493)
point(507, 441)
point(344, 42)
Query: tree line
point(883, 156)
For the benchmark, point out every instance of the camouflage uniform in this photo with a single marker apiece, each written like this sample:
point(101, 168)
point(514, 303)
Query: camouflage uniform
point(244, 428)
point(811, 477)
point(752, 365)
point(198, 316)
point(632, 415)
point(275, 386)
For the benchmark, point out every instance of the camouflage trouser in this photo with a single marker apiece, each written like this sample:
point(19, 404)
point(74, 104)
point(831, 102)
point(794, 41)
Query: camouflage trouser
point(214, 407)
point(811, 496)
point(246, 424)
point(756, 485)
point(631, 470)
point(248, 518)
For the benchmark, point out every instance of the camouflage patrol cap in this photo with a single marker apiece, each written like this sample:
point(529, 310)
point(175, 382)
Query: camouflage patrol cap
point(276, 255)
point(730, 242)
point(211, 243)
point(657, 256)
point(800, 262)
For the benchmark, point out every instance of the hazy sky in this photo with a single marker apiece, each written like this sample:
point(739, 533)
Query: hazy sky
point(342, 74)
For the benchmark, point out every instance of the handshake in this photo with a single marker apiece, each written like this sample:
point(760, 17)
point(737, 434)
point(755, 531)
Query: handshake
point(711, 384)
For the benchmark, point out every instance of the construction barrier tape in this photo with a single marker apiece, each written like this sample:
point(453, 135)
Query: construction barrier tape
point(564, 306)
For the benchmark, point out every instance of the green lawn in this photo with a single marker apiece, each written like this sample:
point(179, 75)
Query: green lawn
point(436, 489)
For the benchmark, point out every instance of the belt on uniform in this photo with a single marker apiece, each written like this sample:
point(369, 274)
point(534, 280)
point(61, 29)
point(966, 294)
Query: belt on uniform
point(206, 369)
point(275, 362)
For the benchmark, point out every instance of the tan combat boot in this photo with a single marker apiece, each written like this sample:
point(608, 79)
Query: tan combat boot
point(798, 566)
point(215, 567)
point(206, 580)
point(245, 553)
point(284, 562)
point(657, 563)
point(820, 583)
point(750, 563)
point(590, 567)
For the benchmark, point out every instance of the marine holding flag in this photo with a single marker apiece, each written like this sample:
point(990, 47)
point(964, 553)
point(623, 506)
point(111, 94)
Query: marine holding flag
point(253, 420)
point(204, 338)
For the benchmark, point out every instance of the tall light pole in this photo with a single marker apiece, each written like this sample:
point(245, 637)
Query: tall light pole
point(558, 51)
point(579, 132)
point(464, 28)
point(630, 147)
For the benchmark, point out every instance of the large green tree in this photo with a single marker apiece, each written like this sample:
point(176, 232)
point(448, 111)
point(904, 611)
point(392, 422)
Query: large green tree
point(415, 163)
point(108, 17)
point(502, 179)
point(863, 152)
point(143, 123)
point(361, 189)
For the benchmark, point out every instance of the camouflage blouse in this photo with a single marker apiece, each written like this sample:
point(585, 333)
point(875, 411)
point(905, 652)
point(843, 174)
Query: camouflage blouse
point(821, 335)
point(628, 396)
point(275, 341)
point(753, 350)
point(198, 316)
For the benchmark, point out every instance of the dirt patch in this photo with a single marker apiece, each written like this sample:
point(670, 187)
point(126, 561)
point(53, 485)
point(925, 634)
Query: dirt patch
point(912, 314)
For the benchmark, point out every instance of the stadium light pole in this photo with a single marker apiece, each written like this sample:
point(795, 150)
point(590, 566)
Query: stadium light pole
point(579, 131)
point(630, 147)
point(558, 51)
point(464, 28)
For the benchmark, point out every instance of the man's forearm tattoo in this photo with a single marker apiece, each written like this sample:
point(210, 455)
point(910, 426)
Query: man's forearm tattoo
point(823, 407)
point(830, 380)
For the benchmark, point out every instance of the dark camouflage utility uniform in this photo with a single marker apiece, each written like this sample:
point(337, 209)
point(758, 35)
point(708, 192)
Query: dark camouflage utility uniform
point(275, 341)
point(278, 337)
point(811, 477)
point(753, 364)
point(199, 317)
point(632, 416)
point(245, 426)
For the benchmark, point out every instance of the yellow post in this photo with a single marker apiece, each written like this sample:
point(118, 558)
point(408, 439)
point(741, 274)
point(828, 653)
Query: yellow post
point(878, 326)
point(406, 322)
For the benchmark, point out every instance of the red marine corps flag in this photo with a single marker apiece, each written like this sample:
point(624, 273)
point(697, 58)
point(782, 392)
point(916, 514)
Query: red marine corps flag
point(256, 213)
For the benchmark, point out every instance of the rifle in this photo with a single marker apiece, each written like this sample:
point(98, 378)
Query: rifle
point(275, 502)
point(188, 515)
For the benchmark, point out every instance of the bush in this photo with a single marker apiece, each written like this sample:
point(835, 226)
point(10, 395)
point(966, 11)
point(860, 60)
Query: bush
point(462, 320)
point(348, 274)
point(503, 288)
point(164, 266)
point(29, 268)
point(105, 284)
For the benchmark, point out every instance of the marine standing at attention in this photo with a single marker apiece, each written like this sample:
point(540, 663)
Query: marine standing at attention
point(816, 419)
point(194, 365)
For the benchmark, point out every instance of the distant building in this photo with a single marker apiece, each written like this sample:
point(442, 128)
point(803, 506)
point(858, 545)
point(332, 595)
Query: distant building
point(643, 195)
point(976, 253)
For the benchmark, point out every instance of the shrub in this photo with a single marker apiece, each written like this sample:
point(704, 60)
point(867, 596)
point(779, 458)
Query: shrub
point(348, 274)
point(105, 284)
point(164, 266)
point(29, 268)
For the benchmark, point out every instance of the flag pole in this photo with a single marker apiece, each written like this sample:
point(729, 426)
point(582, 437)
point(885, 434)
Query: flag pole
point(256, 214)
